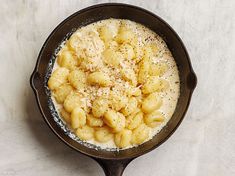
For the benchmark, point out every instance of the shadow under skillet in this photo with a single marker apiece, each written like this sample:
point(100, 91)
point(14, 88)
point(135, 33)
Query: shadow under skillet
point(55, 150)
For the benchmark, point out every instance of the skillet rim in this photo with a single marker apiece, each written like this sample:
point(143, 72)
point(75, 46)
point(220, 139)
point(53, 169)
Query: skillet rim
point(35, 71)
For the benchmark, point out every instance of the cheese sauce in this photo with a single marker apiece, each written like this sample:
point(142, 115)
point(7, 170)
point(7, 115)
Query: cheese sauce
point(94, 47)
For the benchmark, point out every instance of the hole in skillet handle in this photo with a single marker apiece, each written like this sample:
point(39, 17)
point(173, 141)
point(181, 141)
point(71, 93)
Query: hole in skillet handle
point(35, 80)
point(113, 167)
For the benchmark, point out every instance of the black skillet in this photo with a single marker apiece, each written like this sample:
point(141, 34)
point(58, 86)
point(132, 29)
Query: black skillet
point(113, 162)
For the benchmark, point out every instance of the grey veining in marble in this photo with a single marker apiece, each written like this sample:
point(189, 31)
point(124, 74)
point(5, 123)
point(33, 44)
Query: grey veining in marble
point(203, 145)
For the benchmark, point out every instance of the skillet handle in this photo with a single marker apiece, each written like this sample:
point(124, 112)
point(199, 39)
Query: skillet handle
point(113, 167)
point(192, 80)
point(35, 80)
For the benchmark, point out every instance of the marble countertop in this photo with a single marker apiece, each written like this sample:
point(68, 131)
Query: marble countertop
point(203, 145)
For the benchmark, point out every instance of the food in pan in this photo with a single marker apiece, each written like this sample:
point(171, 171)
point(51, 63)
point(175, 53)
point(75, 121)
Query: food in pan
point(115, 83)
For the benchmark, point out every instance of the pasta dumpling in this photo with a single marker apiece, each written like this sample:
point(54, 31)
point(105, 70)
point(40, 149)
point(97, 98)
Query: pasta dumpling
point(58, 77)
point(123, 138)
point(99, 107)
point(150, 50)
point(151, 102)
point(112, 57)
point(78, 118)
point(94, 122)
point(158, 69)
point(68, 60)
point(112, 45)
point(144, 67)
point(139, 53)
point(99, 78)
point(133, 91)
point(134, 120)
point(117, 101)
point(125, 35)
point(62, 92)
point(130, 107)
point(103, 134)
point(87, 46)
point(72, 100)
point(140, 134)
point(120, 124)
point(127, 51)
point(154, 119)
point(155, 84)
point(77, 79)
point(73, 41)
point(106, 33)
point(65, 115)
point(128, 74)
point(111, 118)
point(85, 132)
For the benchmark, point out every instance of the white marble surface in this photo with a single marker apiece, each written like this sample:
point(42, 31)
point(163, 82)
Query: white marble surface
point(203, 145)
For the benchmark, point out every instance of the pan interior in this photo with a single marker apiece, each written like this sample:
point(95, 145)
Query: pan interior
point(85, 17)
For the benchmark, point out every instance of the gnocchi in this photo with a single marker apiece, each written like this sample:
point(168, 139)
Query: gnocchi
point(127, 51)
point(117, 101)
point(73, 42)
point(128, 74)
point(139, 53)
point(112, 57)
point(111, 118)
point(106, 34)
point(77, 79)
point(140, 134)
point(67, 60)
point(112, 45)
point(125, 35)
point(58, 77)
point(72, 100)
point(150, 51)
point(120, 124)
point(115, 83)
point(94, 122)
point(133, 91)
point(85, 132)
point(78, 118)
point(99, 107)
point(65, 115)
point(155, 84)
point(153, 119)
point(144, 67)
point(158, 69)
point(130, 107)
point(99, 78)
point(103, 134)
point(151, 102)
point(123, 138)
point(134, 120)
point(62, 92)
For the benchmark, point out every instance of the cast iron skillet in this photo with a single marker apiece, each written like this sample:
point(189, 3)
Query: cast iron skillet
point(114, 162)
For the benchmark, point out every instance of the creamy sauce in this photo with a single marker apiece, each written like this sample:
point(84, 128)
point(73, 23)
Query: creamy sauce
point(169, 97)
